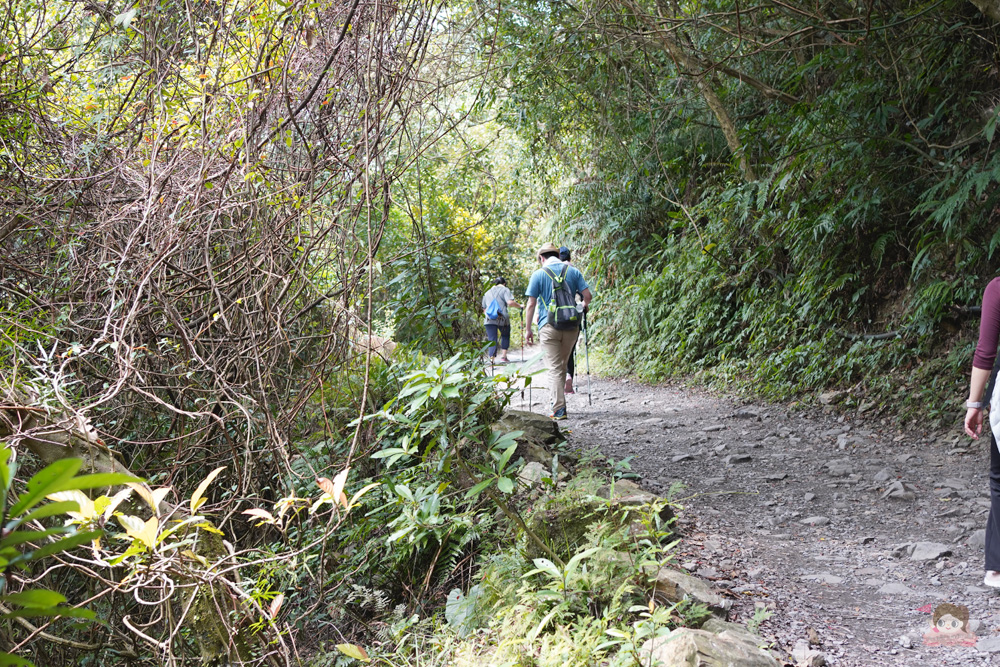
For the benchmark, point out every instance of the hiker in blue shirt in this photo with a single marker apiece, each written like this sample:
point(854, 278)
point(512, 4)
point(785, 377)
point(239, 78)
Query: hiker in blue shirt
point(557, 344)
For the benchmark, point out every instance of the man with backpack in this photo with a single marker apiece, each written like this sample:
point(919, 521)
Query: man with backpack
point(496, 302)
point(554, 287)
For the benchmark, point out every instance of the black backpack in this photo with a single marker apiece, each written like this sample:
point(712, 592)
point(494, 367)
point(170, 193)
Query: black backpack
point(563, 314)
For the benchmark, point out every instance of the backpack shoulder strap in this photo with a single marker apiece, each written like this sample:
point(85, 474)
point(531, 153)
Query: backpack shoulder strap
point(551, 274)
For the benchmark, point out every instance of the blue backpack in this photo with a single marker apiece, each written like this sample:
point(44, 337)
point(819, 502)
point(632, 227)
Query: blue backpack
point(494, 311)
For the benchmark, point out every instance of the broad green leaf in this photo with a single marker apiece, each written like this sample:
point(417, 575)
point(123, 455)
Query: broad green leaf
point(47, 510)
point(478, 488)
point(391, 451)
point(505, 484)
point(402, 532)
point(5, 473)
point(49, 612)
point(96, 480)
point(36, 597)
point(134, 549)
point(65, 544)
point(502, 463)
point(48, 480)
point(22, 536)
point(8, 660)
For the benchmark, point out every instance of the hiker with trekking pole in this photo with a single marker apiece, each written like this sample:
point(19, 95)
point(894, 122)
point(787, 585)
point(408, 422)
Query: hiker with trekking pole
point(552, 290)
point(496, 307)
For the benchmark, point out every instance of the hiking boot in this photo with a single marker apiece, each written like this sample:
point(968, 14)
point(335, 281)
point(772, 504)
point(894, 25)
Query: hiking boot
point(560, 414)
point(992, 579)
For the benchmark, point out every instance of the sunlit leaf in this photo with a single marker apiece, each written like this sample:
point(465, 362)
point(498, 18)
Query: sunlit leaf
point(353, 651)
point(144, 531)
point(85, 506)
point(338, 488)
point(276, 604)
point(197, 500)
point(263, 515)
point(365, 489)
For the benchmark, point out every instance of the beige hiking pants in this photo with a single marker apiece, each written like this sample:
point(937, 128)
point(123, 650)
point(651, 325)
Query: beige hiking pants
point(556, 347)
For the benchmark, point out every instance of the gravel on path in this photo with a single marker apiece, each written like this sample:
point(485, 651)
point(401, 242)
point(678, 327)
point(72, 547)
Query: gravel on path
point(847, 530)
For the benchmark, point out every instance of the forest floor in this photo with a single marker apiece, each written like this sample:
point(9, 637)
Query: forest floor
point(846, 529)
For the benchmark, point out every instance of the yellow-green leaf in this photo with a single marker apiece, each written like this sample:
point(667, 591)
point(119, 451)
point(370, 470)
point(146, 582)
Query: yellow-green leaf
point(86, 511)
point(352, 651)
point(144, 531)
point(197, 499)
point(262, 515)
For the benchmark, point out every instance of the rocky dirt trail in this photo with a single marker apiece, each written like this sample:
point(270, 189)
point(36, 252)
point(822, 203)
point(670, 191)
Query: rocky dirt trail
point(847, 530)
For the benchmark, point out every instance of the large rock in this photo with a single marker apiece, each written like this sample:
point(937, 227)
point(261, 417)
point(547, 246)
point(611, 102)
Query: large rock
point(539, 434)
point(991, 8)
point(685, 647)
point(929, 551)
point(629, 495)
point(717, 626)
point(673, 586)
point(563, 524)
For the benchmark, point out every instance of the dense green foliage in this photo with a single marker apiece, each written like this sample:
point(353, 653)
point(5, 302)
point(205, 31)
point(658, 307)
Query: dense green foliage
point(213, 218)
point(857, 199)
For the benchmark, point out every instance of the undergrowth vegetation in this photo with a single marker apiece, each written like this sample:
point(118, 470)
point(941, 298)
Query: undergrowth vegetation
point(440, 563)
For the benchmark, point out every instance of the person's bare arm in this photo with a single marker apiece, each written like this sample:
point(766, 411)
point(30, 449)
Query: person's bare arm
point(974, 416)
point(529, 318)
point(514, 304)
point(587, 296)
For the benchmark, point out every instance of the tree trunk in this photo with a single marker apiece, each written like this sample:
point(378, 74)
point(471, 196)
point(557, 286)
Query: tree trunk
point(991, 8)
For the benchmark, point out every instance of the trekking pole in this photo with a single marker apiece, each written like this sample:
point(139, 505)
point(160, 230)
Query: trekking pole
point(531, 402)
point(520, 367)
point(586, 354)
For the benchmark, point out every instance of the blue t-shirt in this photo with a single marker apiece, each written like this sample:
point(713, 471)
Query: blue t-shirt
point(540, 286)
